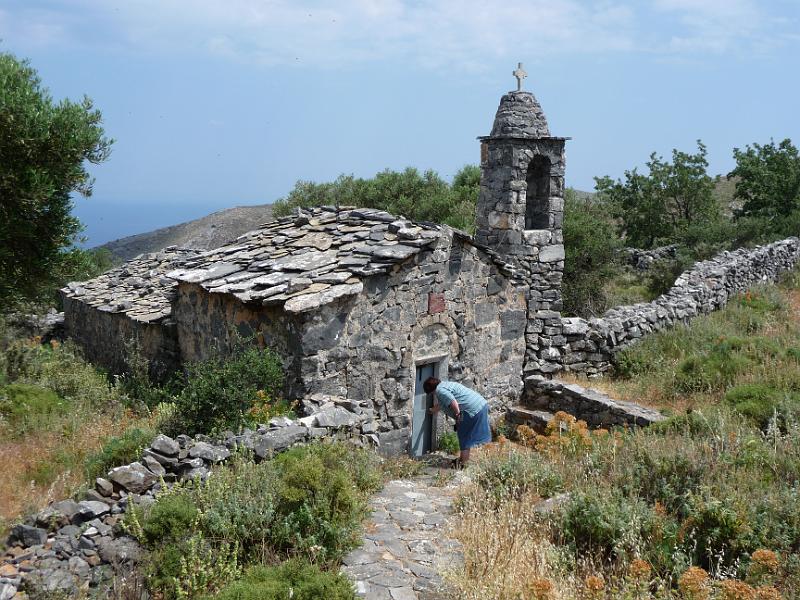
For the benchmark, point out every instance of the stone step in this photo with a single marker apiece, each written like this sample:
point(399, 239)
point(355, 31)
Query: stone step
point(535, 419)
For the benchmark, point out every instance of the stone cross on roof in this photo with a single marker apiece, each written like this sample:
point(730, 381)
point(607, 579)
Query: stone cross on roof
point(520, 74)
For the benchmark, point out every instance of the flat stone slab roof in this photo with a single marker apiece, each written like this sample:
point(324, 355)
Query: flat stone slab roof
point(310, 259)
point(139, 288)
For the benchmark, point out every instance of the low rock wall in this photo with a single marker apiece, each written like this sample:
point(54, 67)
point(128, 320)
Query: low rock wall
point(597, 409)
point(590, 346)
point(72, 548)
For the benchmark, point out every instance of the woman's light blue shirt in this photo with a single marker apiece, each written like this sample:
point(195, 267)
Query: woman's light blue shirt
point(470, 401)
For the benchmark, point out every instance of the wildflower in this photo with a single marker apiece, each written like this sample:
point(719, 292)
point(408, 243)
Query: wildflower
point(526, 435)
point(594, 585)
point(541, 589)
point(733, 589)
point(693, 584)
point(765, 559)
point(639, 569)
point(767, 592)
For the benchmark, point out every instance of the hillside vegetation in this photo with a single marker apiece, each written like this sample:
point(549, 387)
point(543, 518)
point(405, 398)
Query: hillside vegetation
point(705, 505)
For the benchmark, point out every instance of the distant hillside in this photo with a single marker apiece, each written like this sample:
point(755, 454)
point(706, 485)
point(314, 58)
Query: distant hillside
point(207, 232)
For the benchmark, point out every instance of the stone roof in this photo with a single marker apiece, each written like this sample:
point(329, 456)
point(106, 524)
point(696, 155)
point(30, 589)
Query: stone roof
point(139, 289)
point(310, 259)
point(520, 115)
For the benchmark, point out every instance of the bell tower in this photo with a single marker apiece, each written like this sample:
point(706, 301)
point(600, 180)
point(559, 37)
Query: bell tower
point(520, 213)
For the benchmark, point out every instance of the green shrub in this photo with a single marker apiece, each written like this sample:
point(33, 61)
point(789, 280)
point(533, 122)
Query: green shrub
point(591, 246)
point(613, 526)
point(757, 401)
point(448, 442)
point(715, 531)
point(163, 566)
point(708, 372)
point(238, 504)
point(118, 451)
point(220, 393)
point(692, 423)
point(293, 579)
point(668, 479)
point(27, 407)
point(169, 519)
point(318, 507)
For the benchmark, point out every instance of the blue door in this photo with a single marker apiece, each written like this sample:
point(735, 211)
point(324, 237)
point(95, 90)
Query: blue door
point(422, 420)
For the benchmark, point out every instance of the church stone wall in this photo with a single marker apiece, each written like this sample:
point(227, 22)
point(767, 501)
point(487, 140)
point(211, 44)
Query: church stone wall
point(107, 339)
point(212, 324)
point(451, 305)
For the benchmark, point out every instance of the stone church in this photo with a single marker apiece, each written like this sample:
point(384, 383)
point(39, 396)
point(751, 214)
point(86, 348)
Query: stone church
point(360, 303)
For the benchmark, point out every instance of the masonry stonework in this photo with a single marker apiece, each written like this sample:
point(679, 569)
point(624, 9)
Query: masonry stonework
point(520, 215)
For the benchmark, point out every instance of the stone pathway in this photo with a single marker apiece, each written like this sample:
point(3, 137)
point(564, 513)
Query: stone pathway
point(406, 541)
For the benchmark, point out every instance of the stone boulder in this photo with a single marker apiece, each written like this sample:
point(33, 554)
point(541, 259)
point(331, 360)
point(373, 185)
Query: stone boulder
point(134, 478)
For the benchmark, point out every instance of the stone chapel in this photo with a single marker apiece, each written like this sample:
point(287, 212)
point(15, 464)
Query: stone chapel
point(362, 304)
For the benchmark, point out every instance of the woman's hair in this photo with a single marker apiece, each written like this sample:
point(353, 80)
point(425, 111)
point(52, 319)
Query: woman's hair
point(430, 384)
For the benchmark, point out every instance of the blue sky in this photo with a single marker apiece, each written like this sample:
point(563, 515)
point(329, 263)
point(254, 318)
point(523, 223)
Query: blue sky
point(219, 103)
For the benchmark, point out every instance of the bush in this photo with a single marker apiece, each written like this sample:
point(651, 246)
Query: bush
point(26, 407)
point(514, 474)
point(293, 579)
point(220, 393)
point(319, 500)
point(170, 519)
point(712, 371)
point(118, 451)
point(613, 526)
point(591, 246)
point(448, 442)
point(715, 532)
point(756, 401)
point(418, 196)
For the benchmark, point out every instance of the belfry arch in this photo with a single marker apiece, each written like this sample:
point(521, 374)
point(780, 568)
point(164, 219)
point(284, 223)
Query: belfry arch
point(537, 196)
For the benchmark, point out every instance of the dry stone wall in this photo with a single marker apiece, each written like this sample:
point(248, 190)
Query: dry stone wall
point(75, 548)
point(590, 346)
point(548, 396)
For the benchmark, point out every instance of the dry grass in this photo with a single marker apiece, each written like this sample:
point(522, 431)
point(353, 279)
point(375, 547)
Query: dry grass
point(507, 554)
point(49, 465)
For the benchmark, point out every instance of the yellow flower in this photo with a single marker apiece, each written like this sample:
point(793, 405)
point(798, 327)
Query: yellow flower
point(541, 589)
point(639, 569)
point(594, 585)
point(766, 559)
point(526, 435)
point(693, 584)
point(733, 589)
point(767, 592)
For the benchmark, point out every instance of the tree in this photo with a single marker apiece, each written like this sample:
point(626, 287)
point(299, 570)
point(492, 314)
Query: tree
point(768, 180)
point(591, 246)
point(418, 196)
point(659, 207)
point(43, 150)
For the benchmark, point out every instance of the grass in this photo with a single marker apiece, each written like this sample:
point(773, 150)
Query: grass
point(704, 505)
point(61, 424)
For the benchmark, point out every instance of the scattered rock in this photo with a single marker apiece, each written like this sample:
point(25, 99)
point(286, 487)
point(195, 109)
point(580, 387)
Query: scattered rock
point(165, 446)
point(206, 451)
point(28, 536)
point(135, 478)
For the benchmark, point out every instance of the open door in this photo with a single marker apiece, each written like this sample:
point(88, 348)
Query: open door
point(422, 420)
